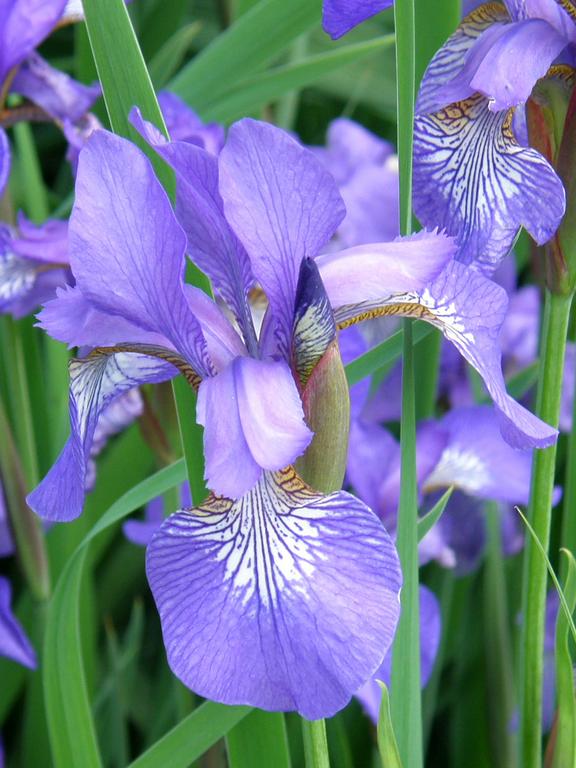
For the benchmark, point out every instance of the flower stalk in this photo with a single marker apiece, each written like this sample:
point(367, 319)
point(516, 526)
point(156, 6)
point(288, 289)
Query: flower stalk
point(554, 333)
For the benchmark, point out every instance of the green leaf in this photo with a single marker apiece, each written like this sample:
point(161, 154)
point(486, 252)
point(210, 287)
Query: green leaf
point(70, 720)
point(565, 608)
point(192, 737)
point(259, 741)
point(387, 745)
point(169, 58)
point(257, 37)
point(565, 743)
point(250, 95)
point(315, 743)
point(430, 519)
point(123, 75)
point(382, 354)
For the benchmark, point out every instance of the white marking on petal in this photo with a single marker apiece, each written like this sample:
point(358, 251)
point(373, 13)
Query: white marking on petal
point(17, 276)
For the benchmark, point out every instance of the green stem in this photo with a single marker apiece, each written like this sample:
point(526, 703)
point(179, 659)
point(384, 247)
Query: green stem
point(555, 326)
point(25, 525)
point(405, 691)
point(35, 191)
point(315, 743)
point(500, 683)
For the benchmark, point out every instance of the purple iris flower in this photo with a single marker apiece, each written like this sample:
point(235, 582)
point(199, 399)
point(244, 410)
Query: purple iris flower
point(464, 449)
point(472, 174)
point(370, 695)
point(23, 26)
point(33, 259)
point(340, 16)
point(365, 168)
point(263, 544)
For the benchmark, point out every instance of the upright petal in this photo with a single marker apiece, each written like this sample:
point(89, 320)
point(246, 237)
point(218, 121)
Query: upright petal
point(13, 641)
point(340, 16)
point(515, 61)
point(126, 247)
point(25, 23)
point(58, 94)
point(370, 694)
point(283, 206)
point(469, 309)
point(448, 63)
point(95, 382)
point(212, 244)
point(473, 178)
point(285, 599)
point(253, 420)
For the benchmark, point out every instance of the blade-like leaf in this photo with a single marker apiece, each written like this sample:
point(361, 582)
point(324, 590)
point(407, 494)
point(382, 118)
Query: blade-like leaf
point(387, 746)
point(123, 75)
point(430, 519)
point(565, 744)
point(249, 95)
point(256, 38)
point(259, 741)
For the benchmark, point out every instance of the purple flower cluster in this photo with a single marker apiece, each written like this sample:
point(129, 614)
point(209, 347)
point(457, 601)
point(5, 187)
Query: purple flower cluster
point(270, 592)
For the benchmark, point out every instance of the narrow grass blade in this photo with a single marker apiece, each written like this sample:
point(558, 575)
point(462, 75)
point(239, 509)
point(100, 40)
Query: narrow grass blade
point(548, 565)
point(259, 741)
point(426, 523)
point(168, 59)
point(70, 719)
point(257, 37)
point(565, 742)
point(387, 745)
point(192, 737)
point(250, 95)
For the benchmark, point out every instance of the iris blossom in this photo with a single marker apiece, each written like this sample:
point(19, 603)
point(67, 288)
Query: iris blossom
point(33, 259)
point(473, 171)
point(269, 593)
point(24, 24)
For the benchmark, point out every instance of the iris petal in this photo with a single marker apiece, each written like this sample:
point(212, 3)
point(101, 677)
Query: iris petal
point(134, 266)
point(285, 599)
point(13, 642)
point(95, 382)
point(254, 420)
point(469, 309)
point(473, 178)
point(340, 16)
point(294, 208)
